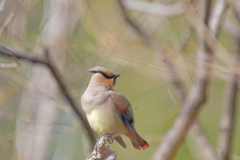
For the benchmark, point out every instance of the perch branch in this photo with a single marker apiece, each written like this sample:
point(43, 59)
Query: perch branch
point(9, 53)
point(101, 151)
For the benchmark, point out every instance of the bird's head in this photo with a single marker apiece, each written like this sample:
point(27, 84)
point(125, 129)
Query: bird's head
point(102, 77)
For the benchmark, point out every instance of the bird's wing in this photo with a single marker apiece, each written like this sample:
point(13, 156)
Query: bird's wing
point(120, 141)
point(124, 110)
point(122, 104)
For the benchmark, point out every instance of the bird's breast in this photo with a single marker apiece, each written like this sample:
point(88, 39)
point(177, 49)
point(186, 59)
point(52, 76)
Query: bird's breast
point(106, 121)
point(93, 98)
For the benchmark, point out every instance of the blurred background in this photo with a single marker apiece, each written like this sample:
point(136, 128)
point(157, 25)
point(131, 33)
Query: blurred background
point(36, 121)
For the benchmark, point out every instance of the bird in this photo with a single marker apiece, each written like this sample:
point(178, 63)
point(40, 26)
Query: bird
point(109, 112)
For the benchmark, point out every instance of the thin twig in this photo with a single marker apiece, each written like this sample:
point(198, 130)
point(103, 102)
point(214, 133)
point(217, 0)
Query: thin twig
point(9, 53)
point(7, 21)
point(9, 65)
point(184, 39)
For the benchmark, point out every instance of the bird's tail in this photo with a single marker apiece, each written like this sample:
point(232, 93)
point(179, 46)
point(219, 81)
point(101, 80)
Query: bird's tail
point(120, 141)
point(137, 141)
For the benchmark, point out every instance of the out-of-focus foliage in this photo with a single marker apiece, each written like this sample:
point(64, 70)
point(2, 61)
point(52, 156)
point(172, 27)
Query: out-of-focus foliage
point(102, 38)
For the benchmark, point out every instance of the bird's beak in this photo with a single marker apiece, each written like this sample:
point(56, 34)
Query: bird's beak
point(116, 75)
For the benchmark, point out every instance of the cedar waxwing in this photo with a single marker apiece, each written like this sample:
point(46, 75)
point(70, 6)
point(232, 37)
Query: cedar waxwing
point(109, 112)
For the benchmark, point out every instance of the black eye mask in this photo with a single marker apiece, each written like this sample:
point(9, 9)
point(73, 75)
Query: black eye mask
point(106, 76)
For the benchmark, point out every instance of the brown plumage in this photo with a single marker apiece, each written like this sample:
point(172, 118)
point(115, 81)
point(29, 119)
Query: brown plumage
point(108, 111)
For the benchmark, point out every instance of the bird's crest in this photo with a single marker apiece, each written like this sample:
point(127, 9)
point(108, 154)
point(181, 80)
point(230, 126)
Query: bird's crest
point(105, 72)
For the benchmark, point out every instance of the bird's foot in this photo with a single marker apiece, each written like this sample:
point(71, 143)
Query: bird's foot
point(107, 137)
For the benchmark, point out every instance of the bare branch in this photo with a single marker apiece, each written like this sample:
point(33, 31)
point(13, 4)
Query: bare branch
point(9, 65)
point(2, 5)
point(235, 6)
point(172, 75)
point(229, 109)
point(203, 143)
point(9, 53)
point(202, 139)
point(184, 38)
point(102, 152)
point(217, 17)
point(195, 99)
point(6, 22)
point(231, 28)
point(155, 8)
point(197, 95)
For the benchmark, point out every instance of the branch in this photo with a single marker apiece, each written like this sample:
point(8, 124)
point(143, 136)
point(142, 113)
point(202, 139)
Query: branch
point(102, 152)
point(192, 105)
point(155, 8)
point(2, 5)
point(232, 29)
point(9, 53)
point(217, 17)
point(197, 95)
point(203, 143)
point(235, 6)
point(11, 65)
point(229, 109)
point(172, 75)
point(214, 26)
point(197, 129)
point(184, 39)
point(6, 22)
point(200, 137)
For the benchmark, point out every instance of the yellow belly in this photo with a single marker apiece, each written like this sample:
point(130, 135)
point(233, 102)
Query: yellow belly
point(106, 122)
